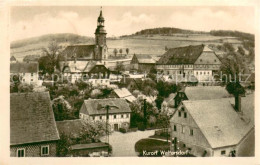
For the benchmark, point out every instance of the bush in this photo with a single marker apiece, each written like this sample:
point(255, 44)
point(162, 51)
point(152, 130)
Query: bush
point(133, 129)
point(123, 130)
point(141, 126)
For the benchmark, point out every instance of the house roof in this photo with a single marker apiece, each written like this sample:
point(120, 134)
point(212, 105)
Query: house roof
point(12, 58)
point(96, 106)
point(70, 127)
point(145, 59)
point(80, 66)
point(32, 118)
point(219, 122)
point(78, 51)
point(24, 67)
point(128, 80)
point(206, 92)
point(181, 55)
point(125, 94)
point(88, 146)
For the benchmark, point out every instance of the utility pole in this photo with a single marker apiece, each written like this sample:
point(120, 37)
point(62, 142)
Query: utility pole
point(107, 107)
point(145, 119)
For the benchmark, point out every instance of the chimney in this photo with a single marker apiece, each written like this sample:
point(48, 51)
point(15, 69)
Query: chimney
point(238, 103)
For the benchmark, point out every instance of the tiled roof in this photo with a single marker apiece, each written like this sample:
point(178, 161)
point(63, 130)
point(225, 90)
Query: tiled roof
point(24, 67)
point(88, 146)
point(96, 106)
point(78, 51)
point(219, 122)
point(70, 127)
point(206, 92)
point(125, 94)
point(31, 118)
point(181, 55)
point(145, 59)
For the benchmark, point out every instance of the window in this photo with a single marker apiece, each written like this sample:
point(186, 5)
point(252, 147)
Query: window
point(127, 115)
point(114, 116)
point(200, 73)
point(179, 113)
point(31, 74)
point(23, 80)
point(174, 128)
point(223, 152)
point(31, 79)
point(191, 132)
point(200, 60)
point(93, 117)
point(185, 114)
point(45, 150)
point(215, 60)
point(100, 117)
point(122, 116)
point(184, 145)
point(182, 129)
point(21, 152)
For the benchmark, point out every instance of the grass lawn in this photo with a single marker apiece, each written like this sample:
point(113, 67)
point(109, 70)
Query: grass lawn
point(151, 145)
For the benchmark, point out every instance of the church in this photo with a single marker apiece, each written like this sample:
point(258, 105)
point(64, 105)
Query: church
point(86, 62)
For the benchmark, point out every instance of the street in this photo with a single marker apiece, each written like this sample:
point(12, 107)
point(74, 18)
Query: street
point(124, 144)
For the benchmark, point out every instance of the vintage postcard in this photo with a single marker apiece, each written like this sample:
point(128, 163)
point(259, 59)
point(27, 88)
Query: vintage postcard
point(125, 80)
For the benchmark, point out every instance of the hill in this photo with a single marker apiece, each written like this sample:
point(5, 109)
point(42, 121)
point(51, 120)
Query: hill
point(60, 38)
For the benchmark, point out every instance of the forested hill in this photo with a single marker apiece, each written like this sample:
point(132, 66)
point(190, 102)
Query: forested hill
point(166, 31)
point(238, 34)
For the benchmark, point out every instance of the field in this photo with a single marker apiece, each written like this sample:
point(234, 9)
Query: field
point(151, 44)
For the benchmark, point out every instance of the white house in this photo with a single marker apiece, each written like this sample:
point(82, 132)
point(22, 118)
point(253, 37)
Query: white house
point(197, 60)
point(118, 113)
point(27, 72)
point(214, 127)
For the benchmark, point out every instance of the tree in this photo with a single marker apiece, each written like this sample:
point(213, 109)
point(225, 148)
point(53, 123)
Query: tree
point(50, 60)
point(241, 50)
point(159, 100)
point(120, 51)
point(115, 51)
point(62, 109)
point(24, 88)
point(96, 93)
point(228, 47)
point(127, 51)
point(63, 145)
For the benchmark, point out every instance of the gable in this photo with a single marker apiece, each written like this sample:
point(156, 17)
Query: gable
point(208, 58)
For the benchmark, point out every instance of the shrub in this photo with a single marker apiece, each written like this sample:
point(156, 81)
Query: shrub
point(123, 130)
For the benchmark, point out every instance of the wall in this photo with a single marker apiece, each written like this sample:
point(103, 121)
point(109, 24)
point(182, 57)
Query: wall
point(247, 146)
point(34, 149)
point(89, 152)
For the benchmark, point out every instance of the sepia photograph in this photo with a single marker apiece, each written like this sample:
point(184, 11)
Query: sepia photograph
point(132, 81)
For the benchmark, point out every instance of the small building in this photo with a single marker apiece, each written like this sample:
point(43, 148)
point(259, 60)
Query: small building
point(91, 149)
point(142, 63)
point(123, 93)
point(33, 131)
point(197, 60)
point(200, 93)
point(118, 113)
point(27, 72)
point(131, 83)
point(93, 72)
point(214, 127)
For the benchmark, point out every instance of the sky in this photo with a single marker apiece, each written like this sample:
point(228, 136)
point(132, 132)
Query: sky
point(32, 21)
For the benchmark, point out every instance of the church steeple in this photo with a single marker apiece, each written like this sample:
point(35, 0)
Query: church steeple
point(100, 37)
point(100, 31)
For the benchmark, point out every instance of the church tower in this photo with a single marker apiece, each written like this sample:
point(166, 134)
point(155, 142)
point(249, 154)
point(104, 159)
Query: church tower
point(100, 37)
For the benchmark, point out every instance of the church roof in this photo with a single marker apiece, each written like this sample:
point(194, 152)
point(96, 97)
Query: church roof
point(78, 51)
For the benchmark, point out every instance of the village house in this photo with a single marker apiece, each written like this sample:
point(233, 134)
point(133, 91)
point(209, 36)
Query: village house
point(200, 93)
point(93, 72)
point(131, 83)
point(26, 72)
point(73, 130)
point(33, 130)
point(142, 63)
point(123, 93)
point(118, 113)
point(218, 127)
point(198, 60)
